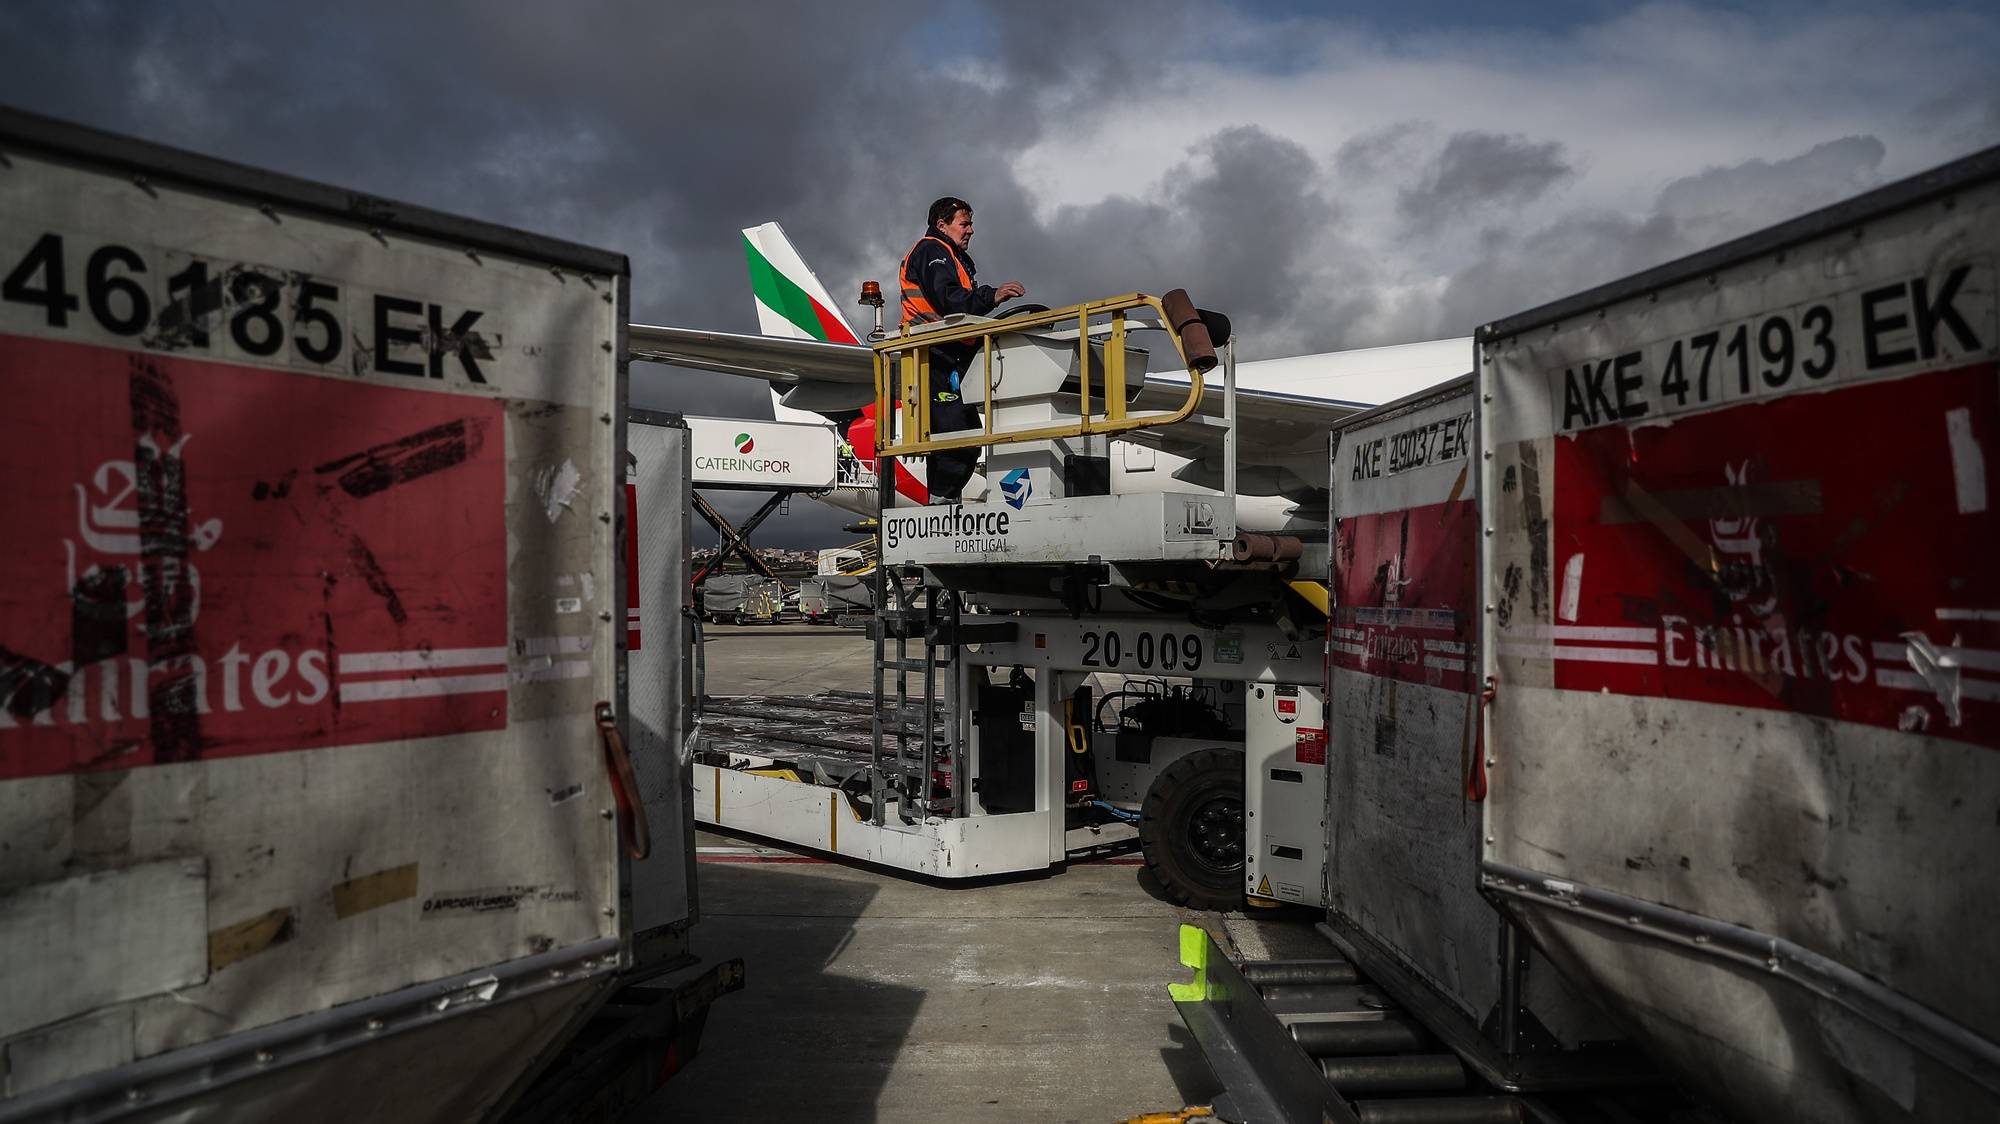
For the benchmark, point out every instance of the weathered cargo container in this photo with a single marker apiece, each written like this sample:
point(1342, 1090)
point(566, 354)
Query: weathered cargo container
point(312, 772)
point(1404, 785)
point(1741, 630)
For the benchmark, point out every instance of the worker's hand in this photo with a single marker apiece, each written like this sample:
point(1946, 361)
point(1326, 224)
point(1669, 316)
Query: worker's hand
point(1008, 292)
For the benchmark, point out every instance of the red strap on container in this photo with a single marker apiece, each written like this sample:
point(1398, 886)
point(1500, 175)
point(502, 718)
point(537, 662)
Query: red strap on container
point(1475, 769)
point(632, 827)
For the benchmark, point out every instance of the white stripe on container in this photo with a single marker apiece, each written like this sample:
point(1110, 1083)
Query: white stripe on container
point(1985, 690)
point(1581, 655)
point(377, 690)
point(366, 663)
point(1980, 659)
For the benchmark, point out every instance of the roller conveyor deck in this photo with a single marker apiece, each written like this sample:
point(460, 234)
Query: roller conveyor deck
point(1325, 1040)
point(828, 732)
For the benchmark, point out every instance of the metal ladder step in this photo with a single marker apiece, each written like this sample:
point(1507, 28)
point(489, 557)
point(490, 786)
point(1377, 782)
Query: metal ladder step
point(912, 735)
point(910, 626)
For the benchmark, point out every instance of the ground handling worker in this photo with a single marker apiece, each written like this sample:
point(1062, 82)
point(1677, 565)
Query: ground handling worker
point(937, 279)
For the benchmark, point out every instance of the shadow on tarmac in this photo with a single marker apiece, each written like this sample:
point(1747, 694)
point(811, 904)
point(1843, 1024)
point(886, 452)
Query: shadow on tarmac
point(1188, 1067)
point(800, 1041)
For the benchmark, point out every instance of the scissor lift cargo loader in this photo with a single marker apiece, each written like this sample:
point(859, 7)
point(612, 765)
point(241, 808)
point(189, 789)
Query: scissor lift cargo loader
point(1061, 666)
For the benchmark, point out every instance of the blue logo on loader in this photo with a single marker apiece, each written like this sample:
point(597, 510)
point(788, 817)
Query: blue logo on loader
point(1016, 487)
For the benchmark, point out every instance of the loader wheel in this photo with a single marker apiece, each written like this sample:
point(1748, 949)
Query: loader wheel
point(1192, 829)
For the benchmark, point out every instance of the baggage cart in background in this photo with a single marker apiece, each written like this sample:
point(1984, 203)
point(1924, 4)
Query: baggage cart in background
point(832, 598)
point(740, 599)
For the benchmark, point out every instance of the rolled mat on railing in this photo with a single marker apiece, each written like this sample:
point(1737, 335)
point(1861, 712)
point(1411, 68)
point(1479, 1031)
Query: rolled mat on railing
point(1187, 323)
point(1252, 547)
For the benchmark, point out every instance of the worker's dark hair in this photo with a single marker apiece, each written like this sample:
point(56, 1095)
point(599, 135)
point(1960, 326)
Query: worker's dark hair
point(945, 210)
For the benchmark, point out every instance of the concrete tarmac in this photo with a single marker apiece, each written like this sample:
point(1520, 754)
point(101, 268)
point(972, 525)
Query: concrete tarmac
point(752, 659)
point(873, 997)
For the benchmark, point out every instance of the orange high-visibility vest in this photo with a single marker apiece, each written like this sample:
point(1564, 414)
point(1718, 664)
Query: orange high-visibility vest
point(917, 308)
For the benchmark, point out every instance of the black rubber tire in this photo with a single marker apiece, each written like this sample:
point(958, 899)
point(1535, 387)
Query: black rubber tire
point(1192, 827)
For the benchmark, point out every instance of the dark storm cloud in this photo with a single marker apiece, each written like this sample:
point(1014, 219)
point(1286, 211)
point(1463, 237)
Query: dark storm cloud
point(1234, 223)
point(1514, 273)
point(655, 129)
point(1517, 271)
point(1720, 203)
point(1061, 52)
point(1383, 151)
point(661, 129)
point(1476, 170)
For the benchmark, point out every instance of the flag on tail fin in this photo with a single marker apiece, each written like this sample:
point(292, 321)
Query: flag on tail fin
point(791, 303)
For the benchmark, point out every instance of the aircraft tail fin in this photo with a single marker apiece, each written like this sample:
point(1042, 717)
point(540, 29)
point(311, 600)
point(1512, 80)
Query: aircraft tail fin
point(791, 302)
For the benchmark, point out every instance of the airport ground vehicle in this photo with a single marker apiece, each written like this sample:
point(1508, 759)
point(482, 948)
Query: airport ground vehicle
point(1131, 653)
point(323, 793)
point(1064, 526)
point(1679, 714)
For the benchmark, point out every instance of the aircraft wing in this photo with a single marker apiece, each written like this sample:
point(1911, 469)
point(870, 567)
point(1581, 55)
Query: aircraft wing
point(1281, 438)
point(822, 376)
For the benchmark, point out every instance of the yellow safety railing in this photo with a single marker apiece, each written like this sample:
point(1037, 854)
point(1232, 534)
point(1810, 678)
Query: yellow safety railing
point(903, 375)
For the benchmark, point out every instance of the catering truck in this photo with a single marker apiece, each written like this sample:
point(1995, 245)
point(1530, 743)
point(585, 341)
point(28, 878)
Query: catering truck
point(1664, 693)
point(322, 793)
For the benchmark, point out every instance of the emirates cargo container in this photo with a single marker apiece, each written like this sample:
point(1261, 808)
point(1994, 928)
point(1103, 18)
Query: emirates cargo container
point(1404, 788)
point(314, 795)
point(1740, 653)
